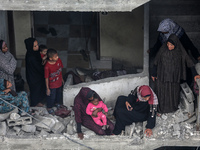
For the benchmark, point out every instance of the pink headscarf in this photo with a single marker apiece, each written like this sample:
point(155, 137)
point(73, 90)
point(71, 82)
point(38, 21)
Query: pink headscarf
point(145, 90)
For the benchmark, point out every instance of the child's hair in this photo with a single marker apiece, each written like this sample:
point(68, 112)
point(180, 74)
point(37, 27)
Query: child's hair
point(51, 52)
point(42, 47)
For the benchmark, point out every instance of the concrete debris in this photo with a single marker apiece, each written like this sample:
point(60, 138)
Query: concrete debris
point(20, 121)
point(14, 116)
point(17, 129)
point(163, 116)
point(46, 122)
point(29, 128)
point(70, 128)
point(58, 128)
point(187, 92)
point(129, 130)
point(3, 128)
point(5, 116)
point(43, 133)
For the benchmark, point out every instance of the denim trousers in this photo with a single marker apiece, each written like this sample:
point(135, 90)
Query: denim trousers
point(54, 97)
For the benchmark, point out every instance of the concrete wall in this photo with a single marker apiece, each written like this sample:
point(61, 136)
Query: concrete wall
point(110, 88)
point(71, 5)
point(22, 29)
point(121, 36)
point(4, 26)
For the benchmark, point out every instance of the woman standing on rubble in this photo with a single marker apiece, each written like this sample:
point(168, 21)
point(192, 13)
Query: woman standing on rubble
point(82, 118)
point(35, 72)
point(139, 106)
point(168, 71)
point(7, 64)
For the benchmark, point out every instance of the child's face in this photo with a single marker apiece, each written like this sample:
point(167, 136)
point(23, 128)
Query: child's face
point(4, 48)
point(8, 84)
point(44, 51)
point(95, 101)
point(35, 46)
point(54, 58)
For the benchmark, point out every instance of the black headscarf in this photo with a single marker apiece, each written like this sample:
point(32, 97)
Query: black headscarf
point(171, 64)
point(1, 42)
point(29, 42)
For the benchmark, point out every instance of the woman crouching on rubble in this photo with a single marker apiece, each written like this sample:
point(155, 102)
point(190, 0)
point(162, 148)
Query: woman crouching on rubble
point(9, 97)
point(140, 105)
point(82, 118)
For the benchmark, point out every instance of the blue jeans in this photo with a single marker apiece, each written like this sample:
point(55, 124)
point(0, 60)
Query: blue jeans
point(54, 97)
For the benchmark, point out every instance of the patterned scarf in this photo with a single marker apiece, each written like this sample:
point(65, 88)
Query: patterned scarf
point(145, 90)
point(168, 25)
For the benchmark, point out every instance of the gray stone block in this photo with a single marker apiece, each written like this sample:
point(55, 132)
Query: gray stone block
point(187, 92)
point(29, 128)
point(188, 106)
point(58, 128)
point(3, 128)
point(20, 121)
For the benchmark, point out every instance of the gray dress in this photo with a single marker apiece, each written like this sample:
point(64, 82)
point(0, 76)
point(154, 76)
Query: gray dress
point(7, 67)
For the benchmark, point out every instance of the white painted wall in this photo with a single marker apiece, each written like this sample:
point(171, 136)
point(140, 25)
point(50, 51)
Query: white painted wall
point(108, 89)
point(22, 29)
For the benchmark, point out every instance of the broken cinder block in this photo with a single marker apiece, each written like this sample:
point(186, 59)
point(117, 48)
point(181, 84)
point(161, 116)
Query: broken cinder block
point(20, 121)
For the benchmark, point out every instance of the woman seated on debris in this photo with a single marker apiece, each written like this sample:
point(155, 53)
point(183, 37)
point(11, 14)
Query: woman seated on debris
point(9, 97)
point(80, 103)
point(140, 105)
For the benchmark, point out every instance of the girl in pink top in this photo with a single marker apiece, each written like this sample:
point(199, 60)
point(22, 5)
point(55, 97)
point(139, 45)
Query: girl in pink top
point(100, 118)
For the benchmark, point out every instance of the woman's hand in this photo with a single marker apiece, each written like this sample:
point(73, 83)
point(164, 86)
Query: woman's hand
point(196, 77)
point(128, 106)
point(80, 136)
point(148, 132)
point(48, 92)
point(153, 78)
point(6, 91)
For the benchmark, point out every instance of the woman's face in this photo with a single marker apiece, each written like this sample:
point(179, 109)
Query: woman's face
point(4, 48)
point(170, 46)
point(35, 46)
point(146, 98)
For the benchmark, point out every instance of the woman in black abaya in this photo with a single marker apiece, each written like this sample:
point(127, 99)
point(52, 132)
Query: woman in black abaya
point(34, 72)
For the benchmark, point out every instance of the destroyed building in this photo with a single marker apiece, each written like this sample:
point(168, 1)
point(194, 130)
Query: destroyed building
point(115, 34)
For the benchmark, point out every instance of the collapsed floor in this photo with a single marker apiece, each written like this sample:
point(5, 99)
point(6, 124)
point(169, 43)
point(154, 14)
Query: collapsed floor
point(40, 130)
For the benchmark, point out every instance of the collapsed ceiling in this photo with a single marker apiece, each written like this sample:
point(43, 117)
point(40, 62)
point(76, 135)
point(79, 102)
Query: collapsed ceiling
point(69, 5)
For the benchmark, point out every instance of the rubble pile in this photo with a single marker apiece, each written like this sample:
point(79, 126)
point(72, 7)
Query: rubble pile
point(38, 124)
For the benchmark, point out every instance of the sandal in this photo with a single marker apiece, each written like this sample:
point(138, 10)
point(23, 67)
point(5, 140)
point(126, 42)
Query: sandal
point(60, 106)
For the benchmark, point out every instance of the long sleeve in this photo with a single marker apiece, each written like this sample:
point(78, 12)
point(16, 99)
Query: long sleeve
point(88, 109)
point(188, 45)
point(151, 121)
point(77, 111)
point(104, 107)
point(156, 47)
point(154, 71)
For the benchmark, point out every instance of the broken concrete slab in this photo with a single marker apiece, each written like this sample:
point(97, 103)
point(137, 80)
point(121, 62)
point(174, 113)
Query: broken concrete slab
point(3, 128)
point(29, 128)
point(58, 127)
